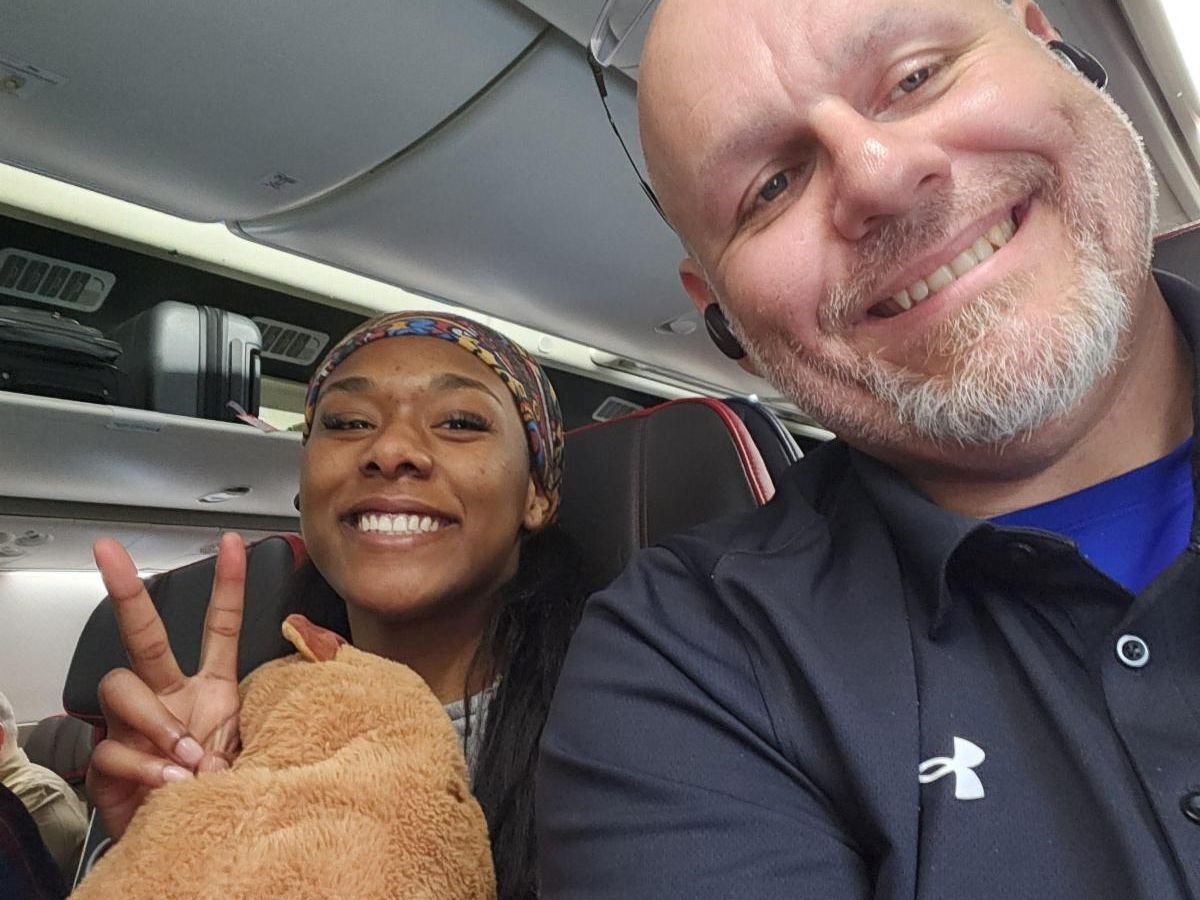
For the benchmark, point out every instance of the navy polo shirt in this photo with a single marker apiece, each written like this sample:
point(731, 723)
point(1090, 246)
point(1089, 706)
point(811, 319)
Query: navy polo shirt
point(855, 693)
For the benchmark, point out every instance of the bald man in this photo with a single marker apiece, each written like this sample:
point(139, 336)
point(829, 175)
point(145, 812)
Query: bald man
point(958, 655)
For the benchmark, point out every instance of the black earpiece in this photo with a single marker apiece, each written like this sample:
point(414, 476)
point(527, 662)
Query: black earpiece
point(296, 502)
point(718, 329)
point(1087, 64)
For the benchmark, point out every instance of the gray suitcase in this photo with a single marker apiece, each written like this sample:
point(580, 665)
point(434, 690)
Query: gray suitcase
point(191, 361)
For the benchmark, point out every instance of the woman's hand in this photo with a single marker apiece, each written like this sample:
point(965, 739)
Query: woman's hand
point(163, 725)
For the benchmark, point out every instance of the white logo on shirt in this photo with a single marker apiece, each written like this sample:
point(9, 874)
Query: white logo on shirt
point(967, 756)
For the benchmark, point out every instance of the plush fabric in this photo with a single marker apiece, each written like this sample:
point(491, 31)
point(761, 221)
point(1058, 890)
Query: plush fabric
point(351, 783)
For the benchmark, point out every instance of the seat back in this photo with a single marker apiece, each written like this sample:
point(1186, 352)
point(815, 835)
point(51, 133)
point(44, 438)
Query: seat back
point(776, 444)
point(1178, 252)
point(181, 597)
point(632, 481)
point(62, 744)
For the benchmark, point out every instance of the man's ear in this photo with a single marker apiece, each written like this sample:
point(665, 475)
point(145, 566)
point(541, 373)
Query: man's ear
point(1030, 15)
point(696, 285)
point(537, 507)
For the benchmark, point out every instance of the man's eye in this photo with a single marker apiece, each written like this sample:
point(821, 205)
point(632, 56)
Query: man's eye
point(774, 187)
point(915, 79)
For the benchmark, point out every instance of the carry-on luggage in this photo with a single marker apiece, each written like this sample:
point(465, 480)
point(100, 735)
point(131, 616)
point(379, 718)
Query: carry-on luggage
point(46, 353)
point(191, 361)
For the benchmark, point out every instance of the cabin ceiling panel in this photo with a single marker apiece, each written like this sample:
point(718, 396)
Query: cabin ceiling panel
point(523, 208)
point(206, 110)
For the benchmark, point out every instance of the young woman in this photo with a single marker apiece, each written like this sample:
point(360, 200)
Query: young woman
point(429, 485)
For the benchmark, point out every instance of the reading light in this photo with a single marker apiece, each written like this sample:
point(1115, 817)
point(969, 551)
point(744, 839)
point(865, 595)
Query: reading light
point(230, 493)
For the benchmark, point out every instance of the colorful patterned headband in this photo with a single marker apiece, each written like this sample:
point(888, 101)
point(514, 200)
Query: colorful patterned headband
point(526, 381)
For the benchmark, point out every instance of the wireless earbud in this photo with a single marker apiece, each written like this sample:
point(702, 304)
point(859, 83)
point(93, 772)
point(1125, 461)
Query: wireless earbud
point(718, 329)
point(1087, 64)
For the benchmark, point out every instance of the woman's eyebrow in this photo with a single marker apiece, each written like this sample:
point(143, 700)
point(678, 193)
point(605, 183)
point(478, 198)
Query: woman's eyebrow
point(452, 381)
point(353, 384)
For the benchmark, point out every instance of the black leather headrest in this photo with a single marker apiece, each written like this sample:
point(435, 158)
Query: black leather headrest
point(776, 444)
point(181, 597)
point(630, 482)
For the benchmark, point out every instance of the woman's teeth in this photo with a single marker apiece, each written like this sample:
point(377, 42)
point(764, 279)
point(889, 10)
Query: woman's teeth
point(381, 523)
point(944, 276)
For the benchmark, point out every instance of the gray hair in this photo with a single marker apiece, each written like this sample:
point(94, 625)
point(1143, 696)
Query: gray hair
point(8, 725)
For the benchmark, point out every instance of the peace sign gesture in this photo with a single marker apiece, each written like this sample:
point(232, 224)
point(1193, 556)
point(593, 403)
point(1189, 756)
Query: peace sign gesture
point(163, 725)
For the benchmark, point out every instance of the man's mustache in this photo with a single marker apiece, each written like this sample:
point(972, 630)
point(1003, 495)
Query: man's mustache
point(941, 214)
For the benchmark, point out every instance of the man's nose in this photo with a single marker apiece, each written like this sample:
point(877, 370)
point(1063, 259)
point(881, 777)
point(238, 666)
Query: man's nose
point(398, 450)
point(880, 170)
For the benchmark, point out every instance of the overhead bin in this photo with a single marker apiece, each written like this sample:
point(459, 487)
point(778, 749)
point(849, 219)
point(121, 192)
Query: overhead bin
point(95, 455)
point(226, 109)
point(524, 207)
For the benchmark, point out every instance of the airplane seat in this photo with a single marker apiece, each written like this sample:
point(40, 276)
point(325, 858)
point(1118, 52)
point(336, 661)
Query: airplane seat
point(1178, 252)
point(776, 444)
point(632, 481)
point(181, 597)
point(62, 744)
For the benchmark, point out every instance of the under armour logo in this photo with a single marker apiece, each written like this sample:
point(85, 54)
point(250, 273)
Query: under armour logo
point(967, 756)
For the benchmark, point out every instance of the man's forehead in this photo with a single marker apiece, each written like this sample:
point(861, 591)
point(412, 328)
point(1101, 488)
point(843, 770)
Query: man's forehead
point(721, 63)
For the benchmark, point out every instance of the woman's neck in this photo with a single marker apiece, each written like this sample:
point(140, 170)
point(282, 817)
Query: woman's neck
point(440, 649)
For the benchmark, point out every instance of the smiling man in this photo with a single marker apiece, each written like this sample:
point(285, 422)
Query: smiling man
point(957, 655)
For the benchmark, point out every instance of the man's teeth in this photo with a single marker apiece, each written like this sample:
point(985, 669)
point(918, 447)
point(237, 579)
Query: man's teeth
point(944, 276)
point(382, 523)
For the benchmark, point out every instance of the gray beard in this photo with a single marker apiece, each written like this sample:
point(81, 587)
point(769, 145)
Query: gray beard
point(1010, 375)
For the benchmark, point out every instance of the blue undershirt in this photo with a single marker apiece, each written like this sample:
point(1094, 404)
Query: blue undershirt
point(1130, 527)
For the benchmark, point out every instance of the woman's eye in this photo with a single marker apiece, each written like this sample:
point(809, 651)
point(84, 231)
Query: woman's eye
point(777, 184)
point(344, 423)
point(466, 421)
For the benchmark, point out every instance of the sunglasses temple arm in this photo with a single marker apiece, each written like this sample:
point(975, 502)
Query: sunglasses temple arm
point(598, 74)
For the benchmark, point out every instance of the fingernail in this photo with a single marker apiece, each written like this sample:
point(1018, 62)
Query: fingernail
point(188, 752)
point(175, 773)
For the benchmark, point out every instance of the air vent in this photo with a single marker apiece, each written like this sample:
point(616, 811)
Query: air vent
point(614, 407)
point(54, 282)
point(290, 343)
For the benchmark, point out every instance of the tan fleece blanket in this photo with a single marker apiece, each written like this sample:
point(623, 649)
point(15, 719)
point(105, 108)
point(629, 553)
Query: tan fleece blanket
point(350, 784)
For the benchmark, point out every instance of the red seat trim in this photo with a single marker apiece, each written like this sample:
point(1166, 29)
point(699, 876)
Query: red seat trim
point(755, 470)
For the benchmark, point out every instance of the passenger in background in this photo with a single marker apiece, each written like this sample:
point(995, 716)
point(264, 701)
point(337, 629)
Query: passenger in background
point(428, 494)
point(59, 813)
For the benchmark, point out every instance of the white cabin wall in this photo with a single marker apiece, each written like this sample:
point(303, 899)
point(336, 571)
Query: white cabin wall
point(41, 616)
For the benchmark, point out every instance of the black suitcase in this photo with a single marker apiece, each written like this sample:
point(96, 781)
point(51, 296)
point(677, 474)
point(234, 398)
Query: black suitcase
point(47, 354)
point(191, 361)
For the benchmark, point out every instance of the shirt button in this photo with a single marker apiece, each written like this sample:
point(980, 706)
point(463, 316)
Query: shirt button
point(1021, 553)
point(1190, 804)
point(1133, 652)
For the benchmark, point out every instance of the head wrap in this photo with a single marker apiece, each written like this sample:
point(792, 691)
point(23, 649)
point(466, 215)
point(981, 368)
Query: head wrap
point(536, 402)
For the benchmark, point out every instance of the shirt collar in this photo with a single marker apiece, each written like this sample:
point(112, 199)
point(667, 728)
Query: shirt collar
point(14, 763)
point(927, 536)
